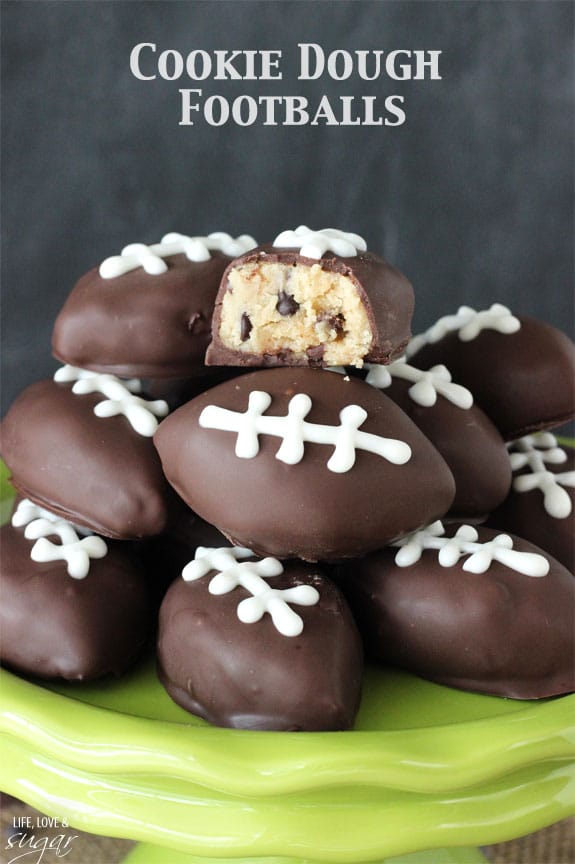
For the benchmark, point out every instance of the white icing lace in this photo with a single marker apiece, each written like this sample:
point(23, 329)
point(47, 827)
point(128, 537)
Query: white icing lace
point(141, 413)
point(76, 552)
point(451, 549)
point(294, 431)
point(151, 258)
point(313, 244)
point(250, 575)
point(427, 385)
point(468, 323)
point(535, 452)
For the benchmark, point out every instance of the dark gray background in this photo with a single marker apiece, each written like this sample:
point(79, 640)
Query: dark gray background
point(472, 198)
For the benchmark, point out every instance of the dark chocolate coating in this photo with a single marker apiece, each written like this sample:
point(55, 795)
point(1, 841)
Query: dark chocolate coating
point(167, 554)
point(178, 391)
point(496, 632)
point(55, 626)
point(250, 676)
point(304, 510)
point(523, 513)
point(384, 292)
point(471, 446)
point(93, 471)
point(186, 530)
point(140, 324)
point(524, 381)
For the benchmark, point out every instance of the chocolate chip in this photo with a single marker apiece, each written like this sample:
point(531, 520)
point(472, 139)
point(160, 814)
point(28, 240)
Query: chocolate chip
point(334, 322)
point(245, 327)
point(315, 355)
point(286, 304)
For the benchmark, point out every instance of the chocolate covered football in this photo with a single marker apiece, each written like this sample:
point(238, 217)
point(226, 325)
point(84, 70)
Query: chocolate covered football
point(468, 608)
point(541, 504)
point(73, 606)
point(459, 429)
point(96, 471)
point(148, 311)
point(245, 650)
point(303, 463)
point(521, 371)
point(310, 299)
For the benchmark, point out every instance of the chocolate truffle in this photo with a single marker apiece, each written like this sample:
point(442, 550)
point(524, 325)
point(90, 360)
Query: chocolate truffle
point(541, 504)
point(96, 471)
point(243, 457)
point(248, 651)
point(148, 311)
point(521, 371)
point(310, 299)
point(58, 625)
point(460, 430)
point(470, 609)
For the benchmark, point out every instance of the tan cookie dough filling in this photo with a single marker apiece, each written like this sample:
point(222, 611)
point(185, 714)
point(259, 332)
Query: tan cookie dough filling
point(272, 308)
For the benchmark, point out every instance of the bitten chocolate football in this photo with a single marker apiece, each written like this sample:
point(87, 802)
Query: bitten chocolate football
point(311, 298)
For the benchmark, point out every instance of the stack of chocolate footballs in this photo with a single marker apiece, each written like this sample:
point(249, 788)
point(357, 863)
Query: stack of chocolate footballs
point(247, 438)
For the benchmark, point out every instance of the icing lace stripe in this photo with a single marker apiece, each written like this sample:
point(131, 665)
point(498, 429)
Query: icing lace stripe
point(141, 413)
point(251, 575)
point(535, 452)
point(76, 552)
point(294, 431)
point(313, 244)
point(468, 324)
point(451, 549)
point(426, 385)
point(151, 258)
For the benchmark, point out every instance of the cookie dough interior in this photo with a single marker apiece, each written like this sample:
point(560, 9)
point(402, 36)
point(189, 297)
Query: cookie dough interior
point(315, 314)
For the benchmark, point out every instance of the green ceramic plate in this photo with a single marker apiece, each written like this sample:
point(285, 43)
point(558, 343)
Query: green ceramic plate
point(464, 769)
point(425, 767)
